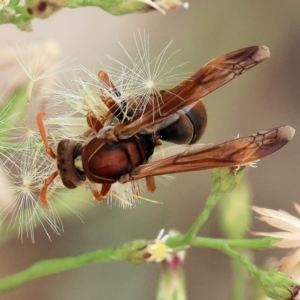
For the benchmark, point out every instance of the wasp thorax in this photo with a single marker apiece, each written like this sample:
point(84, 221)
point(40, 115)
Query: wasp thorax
point(67, 152)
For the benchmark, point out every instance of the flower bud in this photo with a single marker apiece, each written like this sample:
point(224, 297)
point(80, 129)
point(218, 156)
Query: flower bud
point(225, 179)
point(279, 286)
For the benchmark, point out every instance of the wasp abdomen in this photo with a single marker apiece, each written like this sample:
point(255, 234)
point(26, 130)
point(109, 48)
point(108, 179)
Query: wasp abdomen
point(188, 128)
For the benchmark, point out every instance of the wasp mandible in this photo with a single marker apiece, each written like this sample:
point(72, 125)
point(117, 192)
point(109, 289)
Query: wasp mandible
point(122, 152)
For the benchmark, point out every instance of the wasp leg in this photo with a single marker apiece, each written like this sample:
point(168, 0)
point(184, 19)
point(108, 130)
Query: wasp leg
point(121, 110)
point(43, 192)
point(100, 196)
point(94, 123)
point(150, 182)
point(42, 130)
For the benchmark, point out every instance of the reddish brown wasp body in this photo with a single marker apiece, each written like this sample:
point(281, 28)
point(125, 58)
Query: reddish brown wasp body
point(123, 152)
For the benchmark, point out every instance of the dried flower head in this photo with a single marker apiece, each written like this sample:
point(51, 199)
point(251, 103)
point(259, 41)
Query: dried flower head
point(25, 163)
point(20, 208)
point(290, 237)
point(28, 65)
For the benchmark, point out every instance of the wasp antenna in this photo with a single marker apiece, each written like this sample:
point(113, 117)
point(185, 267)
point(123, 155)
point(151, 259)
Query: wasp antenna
point(43, 193)
point(42, 130)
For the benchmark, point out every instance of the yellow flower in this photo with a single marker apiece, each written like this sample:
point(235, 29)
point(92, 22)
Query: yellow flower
point(154, 251)
point(157, 250)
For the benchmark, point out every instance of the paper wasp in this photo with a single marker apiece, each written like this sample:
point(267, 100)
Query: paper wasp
point(123, 152)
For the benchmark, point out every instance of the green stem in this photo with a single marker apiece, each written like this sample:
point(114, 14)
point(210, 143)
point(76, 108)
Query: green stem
point(115, 7)
point(123, 253)
point(52, 266)
point(209, 205)
point(258, 244)
point(240, 258)
point(224, 180)
point(264, 243)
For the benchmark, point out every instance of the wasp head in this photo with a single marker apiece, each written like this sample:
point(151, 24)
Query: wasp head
point(71, 173)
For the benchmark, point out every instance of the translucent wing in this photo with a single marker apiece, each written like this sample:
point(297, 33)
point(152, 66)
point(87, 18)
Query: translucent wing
point(210, 77)
point(235, 152)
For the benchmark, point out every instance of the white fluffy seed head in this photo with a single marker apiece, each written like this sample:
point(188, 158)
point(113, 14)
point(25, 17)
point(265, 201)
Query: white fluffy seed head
point(25, 162)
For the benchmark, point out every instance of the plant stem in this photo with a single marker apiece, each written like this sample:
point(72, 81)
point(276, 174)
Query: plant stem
point(259, 244)
point(122, 253)
point(115, 7)
point(209, 205)
point(264, 243)
point(224, 180)
point(52, 266)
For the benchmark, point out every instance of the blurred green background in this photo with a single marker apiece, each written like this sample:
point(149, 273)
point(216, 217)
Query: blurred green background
point(266, 97)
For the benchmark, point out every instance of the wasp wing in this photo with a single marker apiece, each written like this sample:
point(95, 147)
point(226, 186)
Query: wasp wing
point(210, 77)
point(237, 152)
